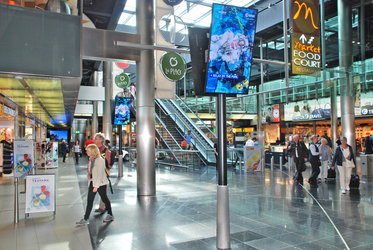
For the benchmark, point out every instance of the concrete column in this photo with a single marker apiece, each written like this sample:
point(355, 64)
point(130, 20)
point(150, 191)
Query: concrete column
point(145, 102)
point(345, 62)
point(106, 118)
point(94, 128)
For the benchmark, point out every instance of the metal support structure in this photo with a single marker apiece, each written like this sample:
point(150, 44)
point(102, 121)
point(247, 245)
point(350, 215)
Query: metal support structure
point(120, 153)
point(362, 41)
point(222, 209)
point(260, 106)
point(281, 163)
point(146, 183)
point(345, 62)
point(16, 200)
point(323, 46)
point(272, 163)
point(106, 118)
point(94, 125)
point(286, 50)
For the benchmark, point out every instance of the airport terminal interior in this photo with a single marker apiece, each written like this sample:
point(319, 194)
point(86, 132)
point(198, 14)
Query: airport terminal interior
point(186, 124)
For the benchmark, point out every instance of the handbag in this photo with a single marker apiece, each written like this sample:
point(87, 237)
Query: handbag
point(349, 164)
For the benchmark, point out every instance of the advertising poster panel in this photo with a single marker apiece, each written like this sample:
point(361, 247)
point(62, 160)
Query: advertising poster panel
point(252, 158)
point(230, 54)
point(305, 38)
point(23, 157)
point(40, 193)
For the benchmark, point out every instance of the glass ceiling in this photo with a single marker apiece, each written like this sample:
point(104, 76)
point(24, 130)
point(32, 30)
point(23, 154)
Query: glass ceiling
point(189, 12)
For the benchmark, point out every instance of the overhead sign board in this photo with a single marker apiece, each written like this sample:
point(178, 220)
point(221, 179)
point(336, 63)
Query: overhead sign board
point(305, 39)
point(173, 66)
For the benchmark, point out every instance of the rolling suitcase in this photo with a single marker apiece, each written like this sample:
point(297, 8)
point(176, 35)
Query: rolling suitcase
point(331, 175)
point(355, 181)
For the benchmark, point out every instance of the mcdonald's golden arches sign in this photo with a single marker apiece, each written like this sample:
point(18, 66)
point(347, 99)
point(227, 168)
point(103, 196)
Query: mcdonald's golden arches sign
point(305, 38)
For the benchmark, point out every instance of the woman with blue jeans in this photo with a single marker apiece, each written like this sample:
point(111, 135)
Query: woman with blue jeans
point(345, 160)
point(324, 158)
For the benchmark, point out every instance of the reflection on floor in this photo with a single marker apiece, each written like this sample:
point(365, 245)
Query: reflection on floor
point(267, 211)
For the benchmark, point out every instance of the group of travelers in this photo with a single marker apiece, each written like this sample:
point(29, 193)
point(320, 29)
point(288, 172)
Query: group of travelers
point(319, 154)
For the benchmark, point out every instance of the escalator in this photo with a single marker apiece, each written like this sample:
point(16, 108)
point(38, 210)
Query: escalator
point(179, 123)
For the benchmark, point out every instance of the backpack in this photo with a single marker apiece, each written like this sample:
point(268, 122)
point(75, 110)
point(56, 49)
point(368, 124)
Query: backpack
point(112, 158)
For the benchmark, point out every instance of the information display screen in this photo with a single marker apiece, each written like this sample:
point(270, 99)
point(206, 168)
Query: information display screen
point(230, 53)
point(122, 113)
point(58, 134)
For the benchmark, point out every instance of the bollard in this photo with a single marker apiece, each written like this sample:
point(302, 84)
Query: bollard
point(120, 165)
point(272, 163)
point(281, 163)
point(16, 201)
point(240, 165)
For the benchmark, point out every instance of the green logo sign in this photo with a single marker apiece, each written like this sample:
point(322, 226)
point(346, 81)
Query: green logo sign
point(173, 66)
point(122, 80)
point(77, 131)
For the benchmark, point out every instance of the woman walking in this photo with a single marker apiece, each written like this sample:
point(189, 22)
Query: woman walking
point(77, 151)
point(325, 158)
point(97, 183)
point(345, 160)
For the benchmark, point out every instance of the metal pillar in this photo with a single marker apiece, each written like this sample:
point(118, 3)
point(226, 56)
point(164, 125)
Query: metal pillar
point(106, 118)
point(145, 101)
point(345, 62)
point(16, 124)
point(94, 125)
point(286, 50)
point(222, 209)
point(362, 42)
point(260, 106)
point(333, 113)
point(323, 46)
point(120, 153)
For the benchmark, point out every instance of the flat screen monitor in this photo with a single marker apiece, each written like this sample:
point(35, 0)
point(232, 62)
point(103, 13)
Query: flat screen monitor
point(199, 45)
point(122, 112)
point(58, 135)
point(230, 52)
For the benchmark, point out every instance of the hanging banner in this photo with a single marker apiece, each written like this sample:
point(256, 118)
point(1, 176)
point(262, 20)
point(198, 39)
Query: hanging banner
point(40, 193)
point(23, 157)
point(305, 38)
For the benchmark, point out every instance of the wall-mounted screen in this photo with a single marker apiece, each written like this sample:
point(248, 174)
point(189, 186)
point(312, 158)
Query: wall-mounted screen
point(58, 135)
point(230, 53)
point(122, 113)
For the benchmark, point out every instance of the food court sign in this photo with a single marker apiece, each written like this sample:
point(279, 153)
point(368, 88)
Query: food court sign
point(305, 39)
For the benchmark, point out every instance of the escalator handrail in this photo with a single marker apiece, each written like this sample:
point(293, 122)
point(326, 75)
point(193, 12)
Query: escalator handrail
point(182, 121)
point(195, 115)
point(208, 140)
point(164, 126)
point(168, 147)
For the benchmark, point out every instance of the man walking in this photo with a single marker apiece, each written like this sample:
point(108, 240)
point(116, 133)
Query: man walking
point(299, 153)
point(64, 150)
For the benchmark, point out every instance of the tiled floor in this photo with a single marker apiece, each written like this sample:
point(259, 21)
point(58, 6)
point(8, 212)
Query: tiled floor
point(267, 211)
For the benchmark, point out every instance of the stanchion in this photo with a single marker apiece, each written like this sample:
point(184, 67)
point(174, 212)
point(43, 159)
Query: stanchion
point(272, 163)
point(16, 201)
point(120, 153)
point(281, 163)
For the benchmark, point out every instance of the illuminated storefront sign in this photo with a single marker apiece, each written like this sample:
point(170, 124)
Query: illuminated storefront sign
point(305, 39)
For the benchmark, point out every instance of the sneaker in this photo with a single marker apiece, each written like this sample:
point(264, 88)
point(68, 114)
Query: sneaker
point(109, 218)
point(343, 191)
point(99, 210)
point(82, 222)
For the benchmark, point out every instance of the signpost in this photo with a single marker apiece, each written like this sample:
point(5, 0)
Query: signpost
point(173, 66)
point(305, 39)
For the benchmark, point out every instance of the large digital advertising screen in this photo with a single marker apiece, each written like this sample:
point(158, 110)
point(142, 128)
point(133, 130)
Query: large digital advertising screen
point(59, 134)
point(230, 53)
point(122, 113)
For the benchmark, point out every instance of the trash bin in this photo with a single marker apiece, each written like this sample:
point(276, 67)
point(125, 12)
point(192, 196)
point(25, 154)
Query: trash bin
point(369, 165)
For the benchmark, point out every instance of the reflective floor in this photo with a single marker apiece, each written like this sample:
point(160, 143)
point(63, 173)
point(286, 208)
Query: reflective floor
point(267, 211)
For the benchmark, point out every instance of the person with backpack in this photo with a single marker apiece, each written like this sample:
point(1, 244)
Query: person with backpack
point(315, 161)
point(345, 160)
point(106, 154)
point(97, 184)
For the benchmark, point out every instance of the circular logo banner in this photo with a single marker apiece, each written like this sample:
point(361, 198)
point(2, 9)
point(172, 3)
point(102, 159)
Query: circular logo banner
point(172, 2)
point(173, 66)
point(122, 80)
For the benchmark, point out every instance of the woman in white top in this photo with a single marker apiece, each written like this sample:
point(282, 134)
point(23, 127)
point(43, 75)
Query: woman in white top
point(98, 181)
point(345, 160)
point(77, 151)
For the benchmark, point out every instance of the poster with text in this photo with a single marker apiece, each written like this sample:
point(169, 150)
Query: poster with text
point(40, 193)
point(23, 157)
point(252, 158)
